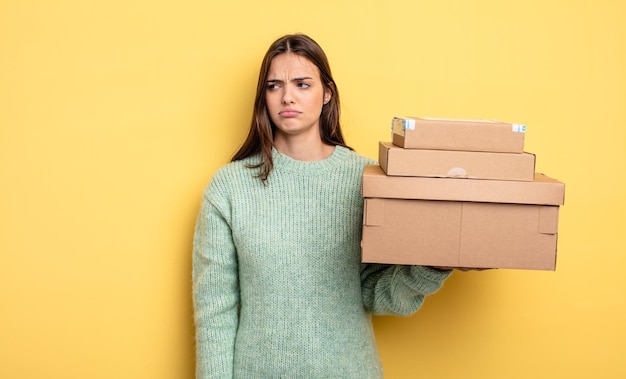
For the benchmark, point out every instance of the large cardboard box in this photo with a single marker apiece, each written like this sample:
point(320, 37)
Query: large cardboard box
point(460, 222)
point(398, 161)
point(456, 134)
point(460, 234)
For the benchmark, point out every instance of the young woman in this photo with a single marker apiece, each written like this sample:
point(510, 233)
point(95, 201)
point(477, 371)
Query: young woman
point(279, 289)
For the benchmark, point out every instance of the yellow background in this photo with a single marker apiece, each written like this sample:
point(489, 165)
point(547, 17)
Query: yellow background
point(115, 114)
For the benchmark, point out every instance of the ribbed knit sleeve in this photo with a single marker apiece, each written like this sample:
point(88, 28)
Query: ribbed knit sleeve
point(215, 287)
point(397, 289)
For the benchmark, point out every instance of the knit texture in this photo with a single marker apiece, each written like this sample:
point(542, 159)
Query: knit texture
point(279, 289)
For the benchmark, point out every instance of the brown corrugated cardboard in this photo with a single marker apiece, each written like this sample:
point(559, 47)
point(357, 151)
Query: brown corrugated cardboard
point(456, 134)
point(398, 161)
point(542, 191)
point(460, 234)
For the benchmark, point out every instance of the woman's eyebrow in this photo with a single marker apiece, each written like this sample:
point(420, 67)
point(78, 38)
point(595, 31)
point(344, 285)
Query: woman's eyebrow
point(300, 78)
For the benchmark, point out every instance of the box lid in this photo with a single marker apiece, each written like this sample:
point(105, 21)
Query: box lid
point(542, 191)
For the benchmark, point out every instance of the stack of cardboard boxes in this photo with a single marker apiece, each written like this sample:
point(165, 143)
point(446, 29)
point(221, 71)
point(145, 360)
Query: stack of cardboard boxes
point(459, 193)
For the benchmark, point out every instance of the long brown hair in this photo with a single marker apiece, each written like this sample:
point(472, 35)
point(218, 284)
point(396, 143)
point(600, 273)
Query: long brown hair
point(260, 137)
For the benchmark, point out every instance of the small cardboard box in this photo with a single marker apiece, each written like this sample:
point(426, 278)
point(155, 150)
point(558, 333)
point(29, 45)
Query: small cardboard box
point(398, 161)
point(456, 134)
point(460, 222)
point(542, 191)
point(460, 234)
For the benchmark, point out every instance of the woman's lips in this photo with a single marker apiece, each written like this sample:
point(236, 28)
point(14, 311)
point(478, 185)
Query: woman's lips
point(289, 113)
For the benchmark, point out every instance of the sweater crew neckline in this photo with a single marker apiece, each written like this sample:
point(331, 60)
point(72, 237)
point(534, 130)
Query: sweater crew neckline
point(285, 162)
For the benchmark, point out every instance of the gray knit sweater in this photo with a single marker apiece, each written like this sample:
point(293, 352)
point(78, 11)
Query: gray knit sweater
point(279, 290)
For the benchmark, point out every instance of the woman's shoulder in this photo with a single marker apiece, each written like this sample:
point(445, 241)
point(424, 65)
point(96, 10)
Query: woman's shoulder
point(235, 168)
point(355, 157)
point(234, 174)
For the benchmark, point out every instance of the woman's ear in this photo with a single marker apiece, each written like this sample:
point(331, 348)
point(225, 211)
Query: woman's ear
point(327, 94)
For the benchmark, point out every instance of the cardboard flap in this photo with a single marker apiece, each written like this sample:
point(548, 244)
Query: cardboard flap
point(383, 155)
point(548, 219)
point(374, 212)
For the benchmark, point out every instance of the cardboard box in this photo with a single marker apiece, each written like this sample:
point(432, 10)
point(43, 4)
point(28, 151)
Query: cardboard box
point(454, 134)
point(542, 191)
point(460, 222)
point(398, 161)
point(460, 234)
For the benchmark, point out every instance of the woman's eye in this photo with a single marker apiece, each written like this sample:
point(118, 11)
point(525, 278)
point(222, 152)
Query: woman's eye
point(272, 86)
point(303, 85)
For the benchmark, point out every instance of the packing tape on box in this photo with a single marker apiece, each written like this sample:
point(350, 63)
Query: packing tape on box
point(457, 172)
point(519, 128)
point(401, 124)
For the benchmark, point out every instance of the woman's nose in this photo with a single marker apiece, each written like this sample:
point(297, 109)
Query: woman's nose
point(287, 95)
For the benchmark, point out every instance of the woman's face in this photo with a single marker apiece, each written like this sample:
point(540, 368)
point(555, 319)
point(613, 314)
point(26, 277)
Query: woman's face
point(294, 95)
